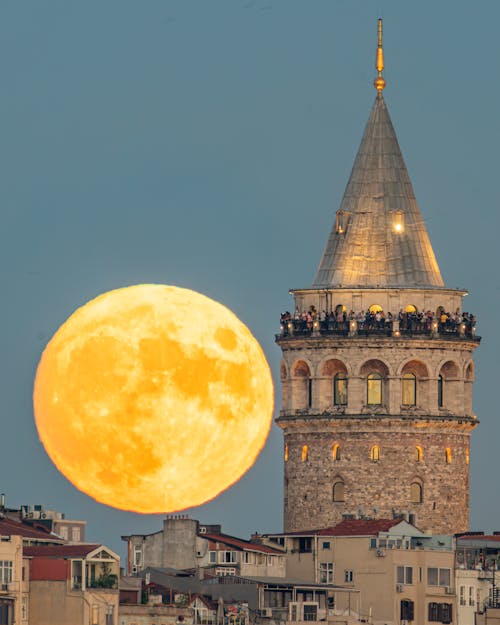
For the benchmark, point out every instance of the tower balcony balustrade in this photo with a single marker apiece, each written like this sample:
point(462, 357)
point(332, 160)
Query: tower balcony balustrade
point(292, 328)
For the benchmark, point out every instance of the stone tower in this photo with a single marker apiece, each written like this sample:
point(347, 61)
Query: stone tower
point(377, 366)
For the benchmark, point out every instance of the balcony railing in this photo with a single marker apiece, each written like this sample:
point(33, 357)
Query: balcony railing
point(298, 328)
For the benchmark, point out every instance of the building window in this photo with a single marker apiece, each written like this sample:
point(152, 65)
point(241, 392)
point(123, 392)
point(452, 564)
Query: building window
point(462, 595)
point(309, 393)
point(336, 452)
point(375, 453)
point(326, 573)
point(404, 574)
point(227, 557)
point(75, 534)
point(340, 390)
point(419, 453)
point(440, 612)
point(110, 615)
point(339, 491)
point(440, 391)
point(305, 545)
point(6, 571)
point(438, 577)
point(286, 452)
point(448, 455)
point(63, 532)
point(467, 456)
point(416, 492)
point(374, 389)
point(95, 614)
point(471, 596)
point(305, 453)
point(310, 612)
point(24, 608)
point(326, 544)
point(407, 610)
point(348, 576)
point(137, 555)
point(76, 574)
point(226, 571)
point(212, 557)
point(409, 389)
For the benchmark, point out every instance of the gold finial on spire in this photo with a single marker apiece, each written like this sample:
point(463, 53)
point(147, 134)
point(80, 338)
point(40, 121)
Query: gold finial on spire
point(379, 82)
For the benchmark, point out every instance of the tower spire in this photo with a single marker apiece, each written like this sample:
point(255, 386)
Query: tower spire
point(379, 82)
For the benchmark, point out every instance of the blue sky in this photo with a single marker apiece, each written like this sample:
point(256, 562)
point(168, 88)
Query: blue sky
point(207, 144)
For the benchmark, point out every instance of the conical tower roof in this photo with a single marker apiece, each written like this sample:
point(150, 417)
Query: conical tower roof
point(379, 238)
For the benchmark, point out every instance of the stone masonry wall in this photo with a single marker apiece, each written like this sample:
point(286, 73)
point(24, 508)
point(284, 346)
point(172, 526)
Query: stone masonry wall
point(380, 488)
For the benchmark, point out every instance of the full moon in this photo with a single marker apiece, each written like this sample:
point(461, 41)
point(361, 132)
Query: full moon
point(153, 398)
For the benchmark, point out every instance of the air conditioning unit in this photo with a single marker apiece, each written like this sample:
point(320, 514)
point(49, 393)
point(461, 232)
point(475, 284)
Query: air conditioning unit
point(267, 612)
point(135, 569)
point(199, 554)
point(380, 553)
point(43, 515)
point(449, 590)
point(203, 530)
point(399, 587)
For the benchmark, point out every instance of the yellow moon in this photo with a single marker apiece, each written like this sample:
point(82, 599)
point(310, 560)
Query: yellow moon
point(153, 398)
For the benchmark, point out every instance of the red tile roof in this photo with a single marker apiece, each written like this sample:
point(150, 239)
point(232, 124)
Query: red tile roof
point(10, 527)
point(60, 551)
point(238, 543)
point(492, 537)
point(352, 527)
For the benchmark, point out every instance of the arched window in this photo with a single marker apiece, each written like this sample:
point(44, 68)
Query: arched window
point(409, 389)
point(374, 389)
point(467, 456)
point(448, 455)
point(286, 452)
point(336, 452)
point(419, 453)
point(340, 390)
point(305, 453)
point(375, 453)
point(440, 391)
point(416, 492)
point(309, 392)
point(339, 491)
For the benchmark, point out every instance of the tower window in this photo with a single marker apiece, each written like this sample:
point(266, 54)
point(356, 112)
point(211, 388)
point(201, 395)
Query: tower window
point(409, 389)
point(339, 491)
point(286, 452)
point(375, 453)
point(467, 456)
point(440, 391)
point(309, 392)
point(416, 492)
point(419, 453)
point(448, 455)
point(374, 389)
point(398, 221)
point(336, 452)
point(340, 390)
point(340, 222)
point(305, 453)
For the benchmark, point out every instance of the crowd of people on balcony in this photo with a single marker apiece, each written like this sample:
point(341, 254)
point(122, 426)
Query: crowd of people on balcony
point(374, 318)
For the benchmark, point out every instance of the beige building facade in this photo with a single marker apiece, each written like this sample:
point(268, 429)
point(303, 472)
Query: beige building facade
point(400, 573)
point(377, 367)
